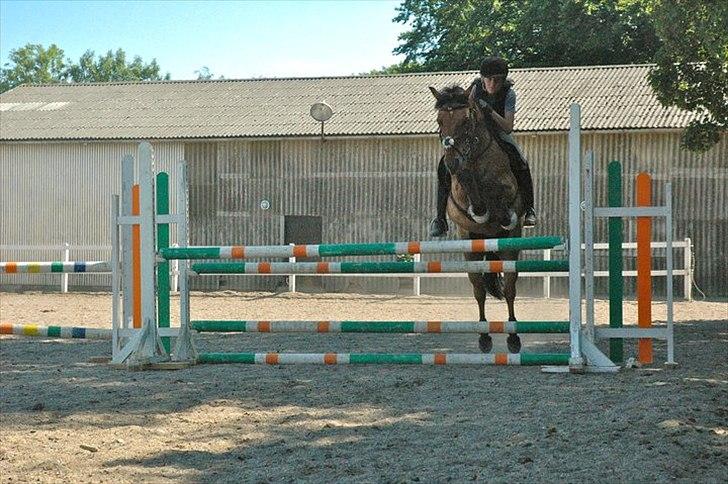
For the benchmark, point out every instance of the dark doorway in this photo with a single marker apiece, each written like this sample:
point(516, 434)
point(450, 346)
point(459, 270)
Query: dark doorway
point(304, 229)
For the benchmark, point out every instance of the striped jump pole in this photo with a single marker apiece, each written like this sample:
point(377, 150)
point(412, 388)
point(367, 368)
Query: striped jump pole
point(379, 267)
point(64, 332)
point(510, 327)
point(498, 359)
point(54, 267)
point(387, 248)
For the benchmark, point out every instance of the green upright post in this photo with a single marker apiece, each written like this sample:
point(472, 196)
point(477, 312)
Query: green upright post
point(163, 288)
point(616, 283)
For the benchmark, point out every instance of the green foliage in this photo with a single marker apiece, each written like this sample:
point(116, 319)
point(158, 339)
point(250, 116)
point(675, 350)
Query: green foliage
point(692, 66)
point(33, 64)
point(446, 35)
point(204, 74)
point(401, 68)
point(113, 67)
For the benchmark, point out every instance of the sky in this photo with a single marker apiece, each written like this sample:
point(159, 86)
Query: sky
point(234, 39)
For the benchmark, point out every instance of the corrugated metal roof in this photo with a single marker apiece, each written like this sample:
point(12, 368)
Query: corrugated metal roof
point(612, 97)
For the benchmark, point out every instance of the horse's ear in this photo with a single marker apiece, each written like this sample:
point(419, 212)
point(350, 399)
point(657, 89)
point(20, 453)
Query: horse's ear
point(435, 93)
point(469, 91)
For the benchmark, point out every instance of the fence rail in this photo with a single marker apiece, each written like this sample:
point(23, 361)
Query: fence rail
point(686, 272)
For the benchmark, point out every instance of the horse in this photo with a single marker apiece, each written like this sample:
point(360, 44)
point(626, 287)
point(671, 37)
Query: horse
point(484, 198)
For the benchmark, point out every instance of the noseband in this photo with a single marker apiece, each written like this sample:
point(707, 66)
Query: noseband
point(466, 144)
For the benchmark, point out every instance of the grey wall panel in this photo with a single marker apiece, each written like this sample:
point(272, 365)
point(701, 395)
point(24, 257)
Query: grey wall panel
point(383, 189)
point(56, 193)
point(375, 189)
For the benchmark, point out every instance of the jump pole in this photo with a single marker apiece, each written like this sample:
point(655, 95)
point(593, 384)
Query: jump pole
point(378, 267)
point(498, 359)
point(338, 250)
point(63, 332)
point(495, 327)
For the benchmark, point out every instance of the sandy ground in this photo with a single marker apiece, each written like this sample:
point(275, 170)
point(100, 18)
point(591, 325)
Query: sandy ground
point(66, 419)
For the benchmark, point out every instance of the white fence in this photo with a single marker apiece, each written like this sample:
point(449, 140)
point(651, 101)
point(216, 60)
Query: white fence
point(686, 272)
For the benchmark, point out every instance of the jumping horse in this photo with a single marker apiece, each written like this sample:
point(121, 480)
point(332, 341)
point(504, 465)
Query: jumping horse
point(484, 198)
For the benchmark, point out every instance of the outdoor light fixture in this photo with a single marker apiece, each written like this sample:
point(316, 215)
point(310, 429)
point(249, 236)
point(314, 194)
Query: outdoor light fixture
point(321, 112)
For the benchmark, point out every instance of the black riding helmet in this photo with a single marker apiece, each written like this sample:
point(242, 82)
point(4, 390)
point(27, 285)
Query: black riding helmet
point(493, 66)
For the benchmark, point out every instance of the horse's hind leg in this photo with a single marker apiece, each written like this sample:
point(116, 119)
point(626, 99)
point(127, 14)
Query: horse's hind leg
point(509, 291)
point(485, 342)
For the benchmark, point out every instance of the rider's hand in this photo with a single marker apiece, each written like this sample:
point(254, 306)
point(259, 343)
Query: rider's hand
point(485, 106)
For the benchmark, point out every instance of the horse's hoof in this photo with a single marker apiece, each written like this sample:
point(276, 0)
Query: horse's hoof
point(486, 343)
point(514, 343)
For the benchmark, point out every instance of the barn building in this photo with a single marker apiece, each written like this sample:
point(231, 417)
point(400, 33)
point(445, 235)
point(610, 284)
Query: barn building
point(260, 171)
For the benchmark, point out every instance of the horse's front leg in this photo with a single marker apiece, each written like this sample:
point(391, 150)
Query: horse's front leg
point(485, 342)
point(509, 291)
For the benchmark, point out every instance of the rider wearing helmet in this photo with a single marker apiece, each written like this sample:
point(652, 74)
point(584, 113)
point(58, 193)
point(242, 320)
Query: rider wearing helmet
point(493, 93)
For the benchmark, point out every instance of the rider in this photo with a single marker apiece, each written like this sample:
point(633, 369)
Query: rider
point(494, 94)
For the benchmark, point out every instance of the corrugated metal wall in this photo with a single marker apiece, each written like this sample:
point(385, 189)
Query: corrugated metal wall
point(383, 189)
point(367, 189)
point(56, 193)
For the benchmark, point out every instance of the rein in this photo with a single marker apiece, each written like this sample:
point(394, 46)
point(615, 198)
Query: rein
point(471, 142)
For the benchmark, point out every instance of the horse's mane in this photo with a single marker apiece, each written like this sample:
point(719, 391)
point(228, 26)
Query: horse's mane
point(451, 96)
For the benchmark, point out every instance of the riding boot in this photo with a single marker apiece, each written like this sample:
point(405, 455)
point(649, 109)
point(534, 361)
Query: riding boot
point(438, 226)
point(525, 186)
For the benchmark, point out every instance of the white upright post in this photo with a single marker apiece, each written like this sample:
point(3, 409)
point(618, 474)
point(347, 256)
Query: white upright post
point(175, 272)
point(114, 229)
point(66, 258)
point(547, 277)
point(127, 182)
point(576, 361)
point(184, 349)
point(589, 244)
point(417, 258)
point(292, 277)
point(688, 262)
point(149, 347)
point(669, 288)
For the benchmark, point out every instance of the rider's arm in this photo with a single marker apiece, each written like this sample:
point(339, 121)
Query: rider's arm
point(505, 122)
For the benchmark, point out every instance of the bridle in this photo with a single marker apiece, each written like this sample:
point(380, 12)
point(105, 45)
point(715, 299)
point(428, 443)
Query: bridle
point(464, 146)
point(469, 138)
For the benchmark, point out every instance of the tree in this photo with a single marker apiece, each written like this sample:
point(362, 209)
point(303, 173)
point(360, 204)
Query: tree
point(692, 66)
point(449, 35)
point(33, 63)
point(114, 67)
point(204, 74)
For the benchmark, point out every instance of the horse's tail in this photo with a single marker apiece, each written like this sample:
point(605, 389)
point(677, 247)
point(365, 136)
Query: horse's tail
point(493, 280)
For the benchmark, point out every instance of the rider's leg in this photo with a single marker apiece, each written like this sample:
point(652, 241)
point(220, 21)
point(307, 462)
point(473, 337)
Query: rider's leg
point(438, 226)
point(525, 185)
point(522, 172)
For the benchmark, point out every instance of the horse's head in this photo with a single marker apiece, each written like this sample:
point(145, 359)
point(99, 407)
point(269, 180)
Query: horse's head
point(454, 114)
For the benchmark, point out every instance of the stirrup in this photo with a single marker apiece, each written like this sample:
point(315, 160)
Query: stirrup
point(529, 220)
point(438, 227)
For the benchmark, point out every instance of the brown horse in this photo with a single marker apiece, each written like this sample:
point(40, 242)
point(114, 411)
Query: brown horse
point(484, 198)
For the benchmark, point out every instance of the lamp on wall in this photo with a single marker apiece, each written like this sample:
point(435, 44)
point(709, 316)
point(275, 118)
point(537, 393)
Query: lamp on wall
point(321, 112)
